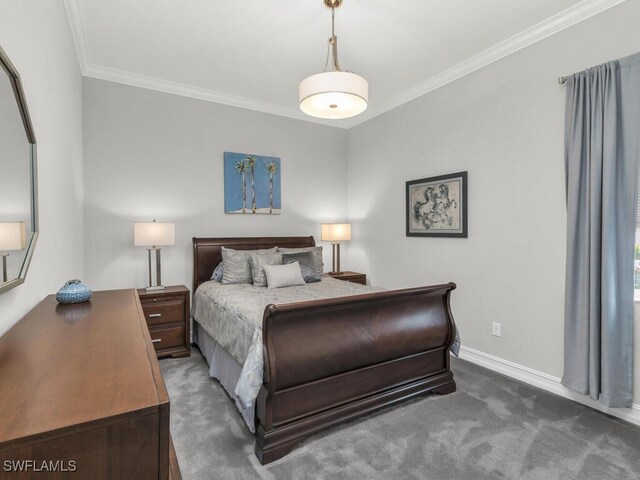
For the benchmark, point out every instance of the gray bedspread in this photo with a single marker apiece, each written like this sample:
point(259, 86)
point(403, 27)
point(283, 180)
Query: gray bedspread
point(232, 316)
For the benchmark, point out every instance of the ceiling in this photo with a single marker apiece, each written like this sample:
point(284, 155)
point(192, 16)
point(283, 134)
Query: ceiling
point(253, 53)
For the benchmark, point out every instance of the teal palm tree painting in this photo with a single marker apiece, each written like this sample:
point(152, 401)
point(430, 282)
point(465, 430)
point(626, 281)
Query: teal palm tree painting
point(241, 168)
point(250, 162)
point(252, 184)
point(272, 169)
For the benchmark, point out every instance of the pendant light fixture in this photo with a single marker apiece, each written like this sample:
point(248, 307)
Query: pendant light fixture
point(333, 94)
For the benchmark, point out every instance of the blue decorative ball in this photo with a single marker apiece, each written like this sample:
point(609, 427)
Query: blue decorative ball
point(74, 291)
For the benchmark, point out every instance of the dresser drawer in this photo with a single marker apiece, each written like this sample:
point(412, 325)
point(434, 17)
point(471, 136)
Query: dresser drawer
point(165, 338)
point(164, 312)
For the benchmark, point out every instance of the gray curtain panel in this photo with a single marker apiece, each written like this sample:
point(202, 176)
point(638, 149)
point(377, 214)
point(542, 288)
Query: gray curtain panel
point(601, 159)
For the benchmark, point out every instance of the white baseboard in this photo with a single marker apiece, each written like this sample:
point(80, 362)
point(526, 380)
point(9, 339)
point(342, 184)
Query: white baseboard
point(544, 381)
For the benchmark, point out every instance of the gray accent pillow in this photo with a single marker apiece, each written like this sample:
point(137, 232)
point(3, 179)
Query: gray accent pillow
point(317, 256)
point(288, 275)
point(236, 265)
point(258, 262)
point(307, 265)
point(217, 272)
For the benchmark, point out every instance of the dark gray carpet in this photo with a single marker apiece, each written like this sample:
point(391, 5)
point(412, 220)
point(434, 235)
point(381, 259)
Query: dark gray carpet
point(491, 428)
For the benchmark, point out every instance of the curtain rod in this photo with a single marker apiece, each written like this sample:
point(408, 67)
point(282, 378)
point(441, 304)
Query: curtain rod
point(563, 80)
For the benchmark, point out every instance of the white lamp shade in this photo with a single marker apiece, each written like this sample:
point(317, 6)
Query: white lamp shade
point(154, 234)
point(336, 232)
point(334, 95)
point(13, 236)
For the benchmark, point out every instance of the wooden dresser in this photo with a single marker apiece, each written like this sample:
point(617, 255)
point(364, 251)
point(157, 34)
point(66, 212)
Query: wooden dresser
point(82, 393)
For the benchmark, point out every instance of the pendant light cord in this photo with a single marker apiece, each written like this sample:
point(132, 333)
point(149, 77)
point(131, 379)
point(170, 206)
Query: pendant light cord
point(333, 45)
point(326, 62)
point(333, 22)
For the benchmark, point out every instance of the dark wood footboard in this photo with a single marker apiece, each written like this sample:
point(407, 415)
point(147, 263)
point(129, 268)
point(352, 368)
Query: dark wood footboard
point(329, 361)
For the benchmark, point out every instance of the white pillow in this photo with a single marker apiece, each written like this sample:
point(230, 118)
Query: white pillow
point(288, 275)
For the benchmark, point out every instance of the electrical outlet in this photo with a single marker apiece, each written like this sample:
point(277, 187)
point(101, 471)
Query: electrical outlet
point(496, 329)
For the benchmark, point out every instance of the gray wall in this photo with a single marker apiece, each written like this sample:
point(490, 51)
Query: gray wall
point(504, 124)
point(150, 155)
point(36, 36)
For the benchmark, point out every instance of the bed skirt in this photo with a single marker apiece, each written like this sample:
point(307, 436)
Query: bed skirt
point(225, 369)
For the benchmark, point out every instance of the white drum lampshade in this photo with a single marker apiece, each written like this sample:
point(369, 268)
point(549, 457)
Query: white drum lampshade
point(334, 95)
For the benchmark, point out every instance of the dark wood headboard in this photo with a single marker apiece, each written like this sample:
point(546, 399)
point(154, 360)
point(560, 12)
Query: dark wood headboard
point(207, 252)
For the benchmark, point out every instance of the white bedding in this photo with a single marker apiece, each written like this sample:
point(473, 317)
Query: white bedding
point(232, 316)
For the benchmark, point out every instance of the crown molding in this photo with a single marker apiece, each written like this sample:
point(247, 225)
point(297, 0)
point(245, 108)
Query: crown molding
point(74, 13)
point(545, 382)
point(561, 21)
point(565, 19)
point(184, 90)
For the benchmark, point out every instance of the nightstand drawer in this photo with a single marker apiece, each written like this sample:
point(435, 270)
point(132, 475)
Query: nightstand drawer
point(362, 280)
point(164, 312)
point(164, 338)
point(353, 277)
point(167, 315)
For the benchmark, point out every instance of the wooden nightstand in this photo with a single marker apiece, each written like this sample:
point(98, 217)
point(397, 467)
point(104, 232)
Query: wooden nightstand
point(353, 277)
point(167, 315)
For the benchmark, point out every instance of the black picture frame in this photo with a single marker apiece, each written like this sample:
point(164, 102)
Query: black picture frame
point(437, 206)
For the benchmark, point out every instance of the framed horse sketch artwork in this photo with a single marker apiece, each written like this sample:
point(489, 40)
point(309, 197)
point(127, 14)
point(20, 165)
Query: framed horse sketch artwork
point(437, 206)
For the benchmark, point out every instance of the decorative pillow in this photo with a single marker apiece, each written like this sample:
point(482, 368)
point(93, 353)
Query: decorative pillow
point(307, 265)
point(258, 261)
point(236, 265)
point(288, 275)
point(217, 273)
point(317, 255)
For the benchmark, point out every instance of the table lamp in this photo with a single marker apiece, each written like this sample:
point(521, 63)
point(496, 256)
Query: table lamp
point(336, 233)
point(154, 235)
point(13, 236)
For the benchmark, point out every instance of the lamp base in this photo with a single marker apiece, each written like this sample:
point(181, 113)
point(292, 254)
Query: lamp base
point(151, 287)
point(154, 288)
point(336, 258)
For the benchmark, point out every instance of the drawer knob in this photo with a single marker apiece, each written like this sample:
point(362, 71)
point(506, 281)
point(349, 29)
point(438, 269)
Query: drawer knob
point(155, 315)
point(156, 340)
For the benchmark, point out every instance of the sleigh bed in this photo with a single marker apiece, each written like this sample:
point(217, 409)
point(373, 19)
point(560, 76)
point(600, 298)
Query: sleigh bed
point(326, 361)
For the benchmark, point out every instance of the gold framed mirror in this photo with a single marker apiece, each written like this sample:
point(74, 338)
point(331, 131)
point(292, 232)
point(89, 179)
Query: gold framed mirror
point(18, 179)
